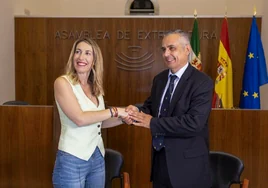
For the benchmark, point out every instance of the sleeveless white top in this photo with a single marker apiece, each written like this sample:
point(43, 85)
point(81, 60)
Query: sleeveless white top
point(81, 141)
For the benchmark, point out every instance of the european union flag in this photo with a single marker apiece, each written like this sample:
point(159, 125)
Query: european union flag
point(255, 73)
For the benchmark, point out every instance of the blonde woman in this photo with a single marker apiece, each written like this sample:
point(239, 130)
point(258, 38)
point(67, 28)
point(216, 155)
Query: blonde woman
point(79, 98)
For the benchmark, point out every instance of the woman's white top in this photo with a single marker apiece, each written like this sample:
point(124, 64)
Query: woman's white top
point(81, 141)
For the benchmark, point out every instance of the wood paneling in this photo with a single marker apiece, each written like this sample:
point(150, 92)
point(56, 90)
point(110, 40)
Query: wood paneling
point(243, 133)
point(31, 60)
point(26, 146)
point(41, 56)
point(28, 139)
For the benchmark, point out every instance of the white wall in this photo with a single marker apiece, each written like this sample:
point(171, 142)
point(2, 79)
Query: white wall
point(87, 8)
point(116, 7)
point(264, 89)
point(7, 70)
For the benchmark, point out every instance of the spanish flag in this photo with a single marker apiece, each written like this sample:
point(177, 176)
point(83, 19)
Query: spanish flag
point(223, 96)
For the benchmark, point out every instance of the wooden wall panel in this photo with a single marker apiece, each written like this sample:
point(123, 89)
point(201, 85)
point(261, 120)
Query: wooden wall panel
point(244, 134)
point(26, 146)
point(31, 60)
point(42, 53)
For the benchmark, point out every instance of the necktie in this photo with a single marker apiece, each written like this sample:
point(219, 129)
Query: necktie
point(158, 141)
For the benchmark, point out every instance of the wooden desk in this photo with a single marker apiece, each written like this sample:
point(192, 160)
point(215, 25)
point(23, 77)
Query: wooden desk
point(26, 142)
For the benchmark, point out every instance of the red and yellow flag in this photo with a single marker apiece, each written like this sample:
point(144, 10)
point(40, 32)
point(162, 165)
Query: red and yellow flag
point(223, 96)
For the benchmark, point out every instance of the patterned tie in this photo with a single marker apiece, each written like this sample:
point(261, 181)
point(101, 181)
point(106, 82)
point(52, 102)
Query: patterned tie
point(158, 141)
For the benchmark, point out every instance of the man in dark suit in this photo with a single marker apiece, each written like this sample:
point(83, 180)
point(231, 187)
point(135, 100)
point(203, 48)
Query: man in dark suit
point(177, 114)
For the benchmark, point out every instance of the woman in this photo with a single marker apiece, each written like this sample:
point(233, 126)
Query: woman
point(79, 98)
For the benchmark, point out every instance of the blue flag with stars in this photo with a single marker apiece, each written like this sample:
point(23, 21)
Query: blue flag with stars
point(255, 73)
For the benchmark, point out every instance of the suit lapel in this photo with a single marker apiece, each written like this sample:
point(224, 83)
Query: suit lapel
point(160, 89)
point(180, 88)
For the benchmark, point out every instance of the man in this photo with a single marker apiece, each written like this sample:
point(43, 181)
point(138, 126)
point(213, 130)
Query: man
point(177, 114)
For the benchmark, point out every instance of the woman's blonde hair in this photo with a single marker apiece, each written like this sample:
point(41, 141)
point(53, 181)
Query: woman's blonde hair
point(95, 78)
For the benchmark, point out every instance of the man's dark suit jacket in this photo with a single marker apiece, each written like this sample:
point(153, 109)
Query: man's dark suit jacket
point(186, 127)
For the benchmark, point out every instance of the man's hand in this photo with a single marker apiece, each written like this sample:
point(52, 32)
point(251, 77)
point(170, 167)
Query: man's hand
point(140, 119)
point(129, 109)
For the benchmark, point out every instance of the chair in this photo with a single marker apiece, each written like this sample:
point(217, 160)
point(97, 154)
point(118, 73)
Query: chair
point(226, 170)
point(16, 103)
point(113, 164)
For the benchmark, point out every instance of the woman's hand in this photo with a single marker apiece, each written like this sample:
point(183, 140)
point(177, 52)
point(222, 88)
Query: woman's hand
point(122, 113)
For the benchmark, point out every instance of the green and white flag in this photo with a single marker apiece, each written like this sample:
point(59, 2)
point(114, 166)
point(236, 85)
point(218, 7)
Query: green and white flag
point(195, 56)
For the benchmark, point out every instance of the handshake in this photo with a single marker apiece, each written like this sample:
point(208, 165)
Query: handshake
point(132, 116)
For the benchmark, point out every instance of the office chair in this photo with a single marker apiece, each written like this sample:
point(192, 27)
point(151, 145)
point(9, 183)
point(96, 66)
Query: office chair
point(226, 170)
point(16, 103)
point(113, 164)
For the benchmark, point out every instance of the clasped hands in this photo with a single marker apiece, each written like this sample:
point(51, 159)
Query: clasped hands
point(132, 116)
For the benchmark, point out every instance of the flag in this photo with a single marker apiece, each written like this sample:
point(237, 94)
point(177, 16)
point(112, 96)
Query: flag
point(255, 73)
point(195, 56)
point(223, 95)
